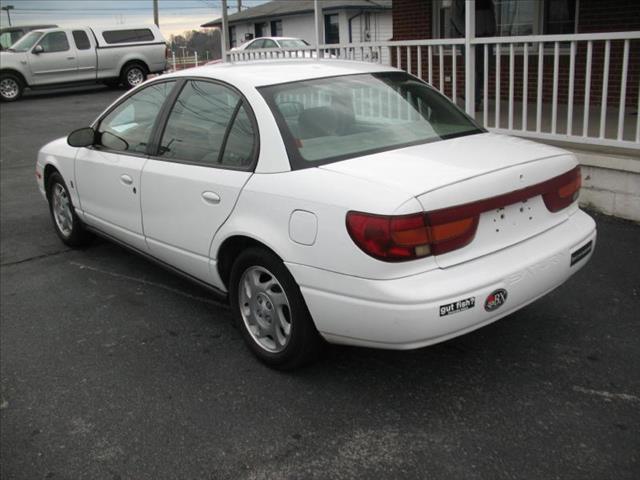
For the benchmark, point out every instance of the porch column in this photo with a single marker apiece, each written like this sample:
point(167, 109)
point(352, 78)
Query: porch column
point(316, 21)
point(469, 57)
point(225, 32)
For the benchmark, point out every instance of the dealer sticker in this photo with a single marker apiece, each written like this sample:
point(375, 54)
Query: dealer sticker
point(459, 306)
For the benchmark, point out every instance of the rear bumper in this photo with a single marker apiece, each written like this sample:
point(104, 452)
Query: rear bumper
point(408, 312)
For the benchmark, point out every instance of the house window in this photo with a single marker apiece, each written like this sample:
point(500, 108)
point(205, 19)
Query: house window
point(560, 17)
point(331, 28)
point(506, 17)
point(232, 37)
point(260, 29)
point(276, 28)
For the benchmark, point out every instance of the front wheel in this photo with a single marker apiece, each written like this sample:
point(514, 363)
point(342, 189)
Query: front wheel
point(133, 75)
point(269, 309)
point(11, 87)
point(65, 221)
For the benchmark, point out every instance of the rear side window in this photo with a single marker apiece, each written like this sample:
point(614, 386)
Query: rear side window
point(128, 36)
point(54, 42)
point(198, 131)
point(128, 126)
point(81, 39)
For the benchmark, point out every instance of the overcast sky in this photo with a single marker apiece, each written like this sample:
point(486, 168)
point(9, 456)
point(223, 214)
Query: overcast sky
point(176, 16)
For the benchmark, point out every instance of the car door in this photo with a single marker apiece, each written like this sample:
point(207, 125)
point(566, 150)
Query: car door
point(205, 156)
point(108, 174)
point(86, 54)
point(53, 59)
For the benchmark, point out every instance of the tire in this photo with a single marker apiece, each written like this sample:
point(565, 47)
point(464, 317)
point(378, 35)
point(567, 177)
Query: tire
point(11, 87)
point(269, 310)
point(133, 75)
point(65, 221)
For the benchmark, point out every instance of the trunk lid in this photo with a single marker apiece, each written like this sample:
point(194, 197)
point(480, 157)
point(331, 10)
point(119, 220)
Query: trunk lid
point(467, 169)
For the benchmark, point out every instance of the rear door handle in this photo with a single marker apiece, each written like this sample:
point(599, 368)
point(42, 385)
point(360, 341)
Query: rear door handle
point(126, 179)
point(211, 197)
point(71, 58)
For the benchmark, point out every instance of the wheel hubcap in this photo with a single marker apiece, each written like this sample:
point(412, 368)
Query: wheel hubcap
point(9, 88)
point(265, 309)
point(135, 76)
point(61, 207)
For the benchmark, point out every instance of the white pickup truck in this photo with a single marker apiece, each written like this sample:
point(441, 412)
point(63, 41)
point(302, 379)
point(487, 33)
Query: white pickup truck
point(60, 57)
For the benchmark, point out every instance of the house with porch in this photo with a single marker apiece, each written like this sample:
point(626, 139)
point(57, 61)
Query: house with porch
point(342, 21)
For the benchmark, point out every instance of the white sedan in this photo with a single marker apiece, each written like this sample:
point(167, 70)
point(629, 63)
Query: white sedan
point(333, 200)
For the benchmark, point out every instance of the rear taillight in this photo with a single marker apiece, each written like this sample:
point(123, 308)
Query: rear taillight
point(396, 238)
point(563, 190)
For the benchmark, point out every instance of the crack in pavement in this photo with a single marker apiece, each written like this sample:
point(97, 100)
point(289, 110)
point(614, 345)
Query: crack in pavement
point(35, 257)
point(151, 284)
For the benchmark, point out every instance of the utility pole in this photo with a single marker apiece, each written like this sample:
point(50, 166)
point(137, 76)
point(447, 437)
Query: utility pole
point(156, 20)
point(6, 9)
point(239, 5)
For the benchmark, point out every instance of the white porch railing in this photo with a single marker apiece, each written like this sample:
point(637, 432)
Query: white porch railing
point(581, 88)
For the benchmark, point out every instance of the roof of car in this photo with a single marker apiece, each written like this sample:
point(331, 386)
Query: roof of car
point(272, 72)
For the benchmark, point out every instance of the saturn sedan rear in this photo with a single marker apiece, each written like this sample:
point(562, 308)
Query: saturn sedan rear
point(330, 200)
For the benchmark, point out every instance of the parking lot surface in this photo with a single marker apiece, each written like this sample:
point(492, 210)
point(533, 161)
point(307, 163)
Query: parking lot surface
point(112, 368)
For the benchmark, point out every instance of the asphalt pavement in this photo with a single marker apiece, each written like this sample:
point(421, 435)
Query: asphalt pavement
point(113, 368)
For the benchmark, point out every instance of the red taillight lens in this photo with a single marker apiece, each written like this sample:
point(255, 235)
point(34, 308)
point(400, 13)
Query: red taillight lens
point(407, 237)
point(563, 191)
point(389, 238)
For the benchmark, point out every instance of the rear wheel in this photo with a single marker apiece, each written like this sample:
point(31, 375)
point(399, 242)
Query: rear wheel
point(11, 87)
point(133, 75)
point(65, 221)
point(269, 309)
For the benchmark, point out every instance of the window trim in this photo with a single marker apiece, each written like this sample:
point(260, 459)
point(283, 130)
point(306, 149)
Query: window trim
point(163, 118)
point(296, 162)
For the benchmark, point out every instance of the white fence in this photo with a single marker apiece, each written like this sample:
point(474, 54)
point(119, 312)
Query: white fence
point(581, 88)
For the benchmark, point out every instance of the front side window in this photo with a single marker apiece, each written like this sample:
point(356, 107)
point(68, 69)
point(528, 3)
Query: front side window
point(198, 129)
point(129, 126)
point(256, 44)
point(54, 42)
point(268, 43)
point(330, 119)
point(26, 42)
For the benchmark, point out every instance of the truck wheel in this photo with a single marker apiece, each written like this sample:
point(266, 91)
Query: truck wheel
point(133, 75)
point(11, 87)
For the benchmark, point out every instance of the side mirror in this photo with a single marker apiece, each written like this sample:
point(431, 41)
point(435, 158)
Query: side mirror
point(83, 137)
point(37, 49)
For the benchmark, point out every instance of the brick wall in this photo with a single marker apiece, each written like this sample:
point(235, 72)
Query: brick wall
point(412, 19)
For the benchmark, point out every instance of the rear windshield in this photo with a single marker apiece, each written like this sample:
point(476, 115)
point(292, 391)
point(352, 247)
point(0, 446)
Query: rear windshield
point(128, 36)
point(330, 119)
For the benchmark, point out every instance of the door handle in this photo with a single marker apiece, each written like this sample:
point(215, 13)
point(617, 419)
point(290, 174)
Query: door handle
point(71, 58)
point(211, 197)
point(126, 179)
